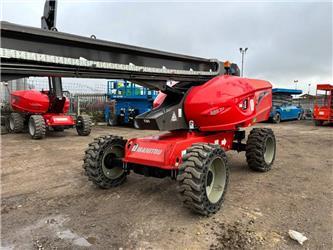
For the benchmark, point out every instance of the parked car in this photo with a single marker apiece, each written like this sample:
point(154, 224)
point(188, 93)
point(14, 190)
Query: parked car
point(282, 108)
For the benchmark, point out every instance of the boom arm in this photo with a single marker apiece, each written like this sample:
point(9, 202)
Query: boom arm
point(48, 20)
point(28, 51)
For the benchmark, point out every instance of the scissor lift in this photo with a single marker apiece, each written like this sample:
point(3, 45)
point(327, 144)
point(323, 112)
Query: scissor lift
point(130, 100)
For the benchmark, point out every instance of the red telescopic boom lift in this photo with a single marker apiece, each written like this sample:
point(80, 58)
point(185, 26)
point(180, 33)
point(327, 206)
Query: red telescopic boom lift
point(46, 109)
point(203, 112)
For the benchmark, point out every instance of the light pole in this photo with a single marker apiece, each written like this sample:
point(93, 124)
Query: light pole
point(309, 88)
point(295, 81)
point(243, 52)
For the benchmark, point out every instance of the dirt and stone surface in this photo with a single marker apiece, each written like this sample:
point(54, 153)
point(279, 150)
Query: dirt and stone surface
point(48, 203)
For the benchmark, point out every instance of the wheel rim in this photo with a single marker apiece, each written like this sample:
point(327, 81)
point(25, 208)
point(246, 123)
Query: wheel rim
point(79, 123)
point(277, 118)
point(215, 180)
point(112, 163)
point(136, 125)
point(31, 126)
point(11, 123)
point(270, 150)
point(111, 121)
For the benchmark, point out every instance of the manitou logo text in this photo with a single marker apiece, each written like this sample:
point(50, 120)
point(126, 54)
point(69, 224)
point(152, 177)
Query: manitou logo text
point(154, 151)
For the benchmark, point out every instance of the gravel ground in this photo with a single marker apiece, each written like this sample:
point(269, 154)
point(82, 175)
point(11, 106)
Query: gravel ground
point(48, 203)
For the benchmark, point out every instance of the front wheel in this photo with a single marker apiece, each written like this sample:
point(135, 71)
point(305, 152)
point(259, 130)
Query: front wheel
point(37, 127)
point(261, 149)
point(103, 161)
point(83, 125)
point(276, 118)
point(203, 178)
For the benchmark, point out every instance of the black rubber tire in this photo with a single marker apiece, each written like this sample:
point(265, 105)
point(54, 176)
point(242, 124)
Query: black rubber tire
point(3, 119)
point(135, 124)
point(3, 130)
point(83, 125)
point(37, 127)
point(256, 148)
point(319, 122)
point(94, 157)
point(112, 120)
point(277, 118)
point(59, 128)
point(192, 177)
point(120, 120)
point(15, 123)
point(300, 116)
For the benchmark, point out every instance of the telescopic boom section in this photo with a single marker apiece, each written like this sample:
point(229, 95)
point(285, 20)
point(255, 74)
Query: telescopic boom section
point(48, 20)
point(28, 51)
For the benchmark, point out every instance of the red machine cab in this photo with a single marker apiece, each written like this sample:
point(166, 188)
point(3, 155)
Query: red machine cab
point(323, 107)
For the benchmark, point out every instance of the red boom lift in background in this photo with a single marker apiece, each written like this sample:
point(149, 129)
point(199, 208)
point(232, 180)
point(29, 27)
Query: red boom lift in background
point(45, 109)
point(323, 107)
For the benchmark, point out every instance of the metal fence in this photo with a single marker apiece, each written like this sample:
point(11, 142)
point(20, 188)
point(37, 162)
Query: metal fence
point(308, 101)
point(86, 103)
point(90, 104)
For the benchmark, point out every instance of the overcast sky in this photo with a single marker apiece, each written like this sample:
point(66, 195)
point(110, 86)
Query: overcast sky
point(287, 41)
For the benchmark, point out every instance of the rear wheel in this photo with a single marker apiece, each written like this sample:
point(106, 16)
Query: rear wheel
point(299, 117)
point(112, 120)
point(16, 123)
point(203, 178)
point(103, 161)
point(135, 124)
point(83, 125)
point(261, 149)
point(277, 118)
point(37, 128)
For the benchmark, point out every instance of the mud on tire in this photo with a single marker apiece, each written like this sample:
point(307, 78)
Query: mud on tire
point(102, 161)
point(201, 188)
point(37, 127)
point(261, 149)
